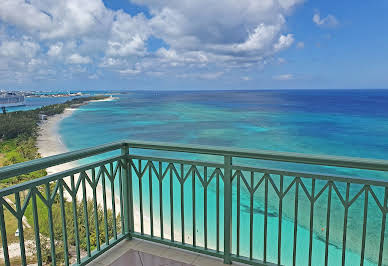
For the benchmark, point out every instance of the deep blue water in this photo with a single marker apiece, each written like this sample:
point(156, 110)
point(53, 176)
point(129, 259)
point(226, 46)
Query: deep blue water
point(332, 122)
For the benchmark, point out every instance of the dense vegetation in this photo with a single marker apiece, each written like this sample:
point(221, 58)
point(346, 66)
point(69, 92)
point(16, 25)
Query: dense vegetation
point(25, 123)
point(18, 132)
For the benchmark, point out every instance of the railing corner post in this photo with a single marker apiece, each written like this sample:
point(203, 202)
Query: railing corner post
point(227, 209)
point(127, 192)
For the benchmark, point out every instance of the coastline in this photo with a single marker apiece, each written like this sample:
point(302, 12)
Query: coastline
point(49, 143)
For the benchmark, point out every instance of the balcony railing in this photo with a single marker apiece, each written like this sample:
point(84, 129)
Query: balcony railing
point(246, 213)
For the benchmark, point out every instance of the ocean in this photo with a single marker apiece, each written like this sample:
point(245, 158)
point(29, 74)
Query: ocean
point(327, 122)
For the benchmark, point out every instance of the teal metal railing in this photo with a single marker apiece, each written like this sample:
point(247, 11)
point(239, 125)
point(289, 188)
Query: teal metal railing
point(244, 213)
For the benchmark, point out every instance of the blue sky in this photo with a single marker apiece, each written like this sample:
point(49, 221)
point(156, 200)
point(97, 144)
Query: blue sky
point(189, 45)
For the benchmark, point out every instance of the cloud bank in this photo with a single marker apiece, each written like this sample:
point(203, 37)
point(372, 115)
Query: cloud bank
point(51, 39)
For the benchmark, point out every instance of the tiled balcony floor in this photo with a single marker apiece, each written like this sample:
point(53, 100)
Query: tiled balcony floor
point(143, 253)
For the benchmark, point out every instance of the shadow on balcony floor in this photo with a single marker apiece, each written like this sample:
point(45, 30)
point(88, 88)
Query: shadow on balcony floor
point(143, 253)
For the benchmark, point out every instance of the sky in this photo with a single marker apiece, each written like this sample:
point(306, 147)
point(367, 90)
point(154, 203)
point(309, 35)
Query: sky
point(193, 44)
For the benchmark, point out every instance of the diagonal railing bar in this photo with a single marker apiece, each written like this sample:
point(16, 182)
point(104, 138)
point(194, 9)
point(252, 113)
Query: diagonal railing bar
point(364, 188)
point(248, 186)
point(215, 172)
point(323, 189)
point(26, 201)
point(274, 186)
point(42, 198)
point(259, 183)
point(10, 209)
point(55, 190)
point(302, 185)
point(378, 203)
point(68, 189)
point(289, 187)
point(339, 194)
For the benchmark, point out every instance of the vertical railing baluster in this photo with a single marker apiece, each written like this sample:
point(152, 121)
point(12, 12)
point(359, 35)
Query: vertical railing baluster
point(75, 219)
point(151, 203)
point(20, 228)
point(113, 198)
point(86, 217)
point(161, 199)
point(140, 180)
point(265, 217)
point(383, 221)
point(105, 207)
point(122, 214)
point(193, 196)
point(251, 217)
point(295, 221)
point(205, 207)
point(312, 201)
point(345, 223)
point(328, 224)
point(171, 206)
point(238, 216)
point(64, 228)
point(95, 184)
point(280, 220)
point(36, 227)
point(51, 225)
point(364, 225)
point(182, 204)
point(218, 212)
point(227, 208)
point(127, 192)
point(4, 239)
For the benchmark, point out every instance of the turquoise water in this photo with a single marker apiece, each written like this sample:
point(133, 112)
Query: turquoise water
point(347, 122)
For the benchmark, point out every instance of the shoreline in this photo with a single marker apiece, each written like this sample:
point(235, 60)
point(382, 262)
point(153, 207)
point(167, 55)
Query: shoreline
point(49, 143)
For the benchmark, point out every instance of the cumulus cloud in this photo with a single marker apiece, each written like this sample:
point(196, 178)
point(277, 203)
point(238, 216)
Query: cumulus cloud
point(78, 59)
point(55, 49)
point(329, 21)
point(128, 35)
point(26, 48)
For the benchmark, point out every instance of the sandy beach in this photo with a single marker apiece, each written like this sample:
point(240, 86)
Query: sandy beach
point(50, 143)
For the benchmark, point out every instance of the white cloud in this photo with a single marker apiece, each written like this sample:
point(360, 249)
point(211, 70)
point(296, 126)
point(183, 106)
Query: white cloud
point(226, 31)
point(78, 59)
point(300, 45)
point(284, 77)
point(128, 35)
point(55, 49)
point(25, 48)
point(329, 21)
point(57, 19)
point(284, 42)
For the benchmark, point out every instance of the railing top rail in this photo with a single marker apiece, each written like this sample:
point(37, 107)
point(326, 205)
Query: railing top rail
point(338, 161)
point(42, 163)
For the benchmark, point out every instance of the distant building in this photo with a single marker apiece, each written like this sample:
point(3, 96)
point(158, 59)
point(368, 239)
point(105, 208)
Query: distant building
point(42, 117)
